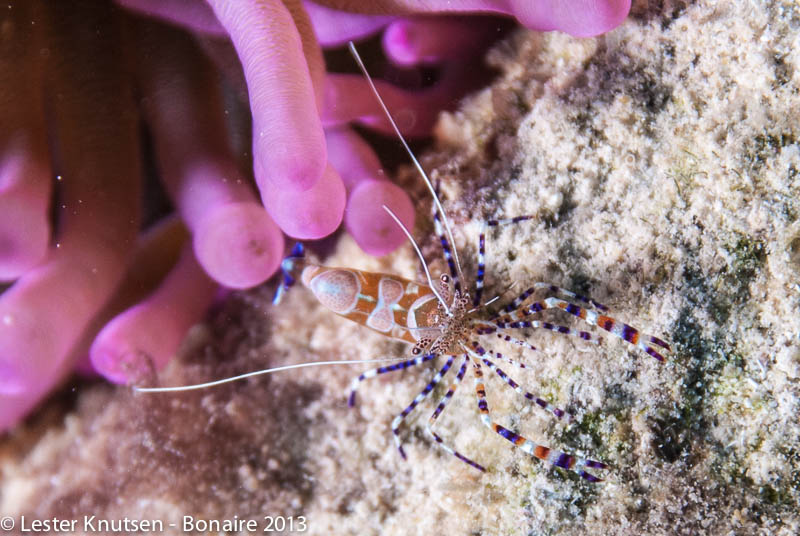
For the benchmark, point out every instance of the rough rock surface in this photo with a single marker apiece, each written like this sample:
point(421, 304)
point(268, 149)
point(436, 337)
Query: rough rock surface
point(661, 163)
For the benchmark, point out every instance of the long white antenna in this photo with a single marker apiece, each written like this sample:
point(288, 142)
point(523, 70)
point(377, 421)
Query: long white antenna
point(256, 373)
point(421, 258)
point(427, 180)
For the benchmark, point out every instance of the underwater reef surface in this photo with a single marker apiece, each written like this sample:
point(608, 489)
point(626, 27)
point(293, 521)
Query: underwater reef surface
point(660, 163)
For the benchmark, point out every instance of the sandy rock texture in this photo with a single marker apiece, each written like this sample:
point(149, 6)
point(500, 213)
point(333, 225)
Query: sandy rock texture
point(662, 167)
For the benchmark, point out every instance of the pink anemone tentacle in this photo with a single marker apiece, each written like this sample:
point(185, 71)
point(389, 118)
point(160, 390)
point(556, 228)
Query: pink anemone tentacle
point(235, 240)
point(25, 169)
point(46, 311)
point(368, 191)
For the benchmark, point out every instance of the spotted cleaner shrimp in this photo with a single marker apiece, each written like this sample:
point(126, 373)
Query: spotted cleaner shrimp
point(444, 319)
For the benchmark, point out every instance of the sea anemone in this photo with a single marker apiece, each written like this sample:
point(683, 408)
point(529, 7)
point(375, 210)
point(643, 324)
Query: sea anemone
point(72, 110)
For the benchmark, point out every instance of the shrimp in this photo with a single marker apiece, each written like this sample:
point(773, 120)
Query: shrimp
point(447, 319)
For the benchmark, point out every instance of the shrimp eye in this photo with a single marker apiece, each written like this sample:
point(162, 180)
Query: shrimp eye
point(445, 278)
point(415, 351)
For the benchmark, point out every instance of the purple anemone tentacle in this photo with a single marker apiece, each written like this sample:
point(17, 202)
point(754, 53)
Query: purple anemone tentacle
point(348, 98)
point(24, 162)
point(368, 191)
point(352, 157)
point(335, 28)
point(24, 198)
point(45, 312)
point(418, 40)
point(235, 240)
point(288, 141)
point(238, 244)
point(312, 52)
point(370, 225)
point(155, 254)
point(579, 18)
point(142, 339)
point(311, 214)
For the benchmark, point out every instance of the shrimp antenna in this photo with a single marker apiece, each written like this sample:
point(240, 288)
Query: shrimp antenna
point(421, 258)
point(424, 175)
point(256, 373)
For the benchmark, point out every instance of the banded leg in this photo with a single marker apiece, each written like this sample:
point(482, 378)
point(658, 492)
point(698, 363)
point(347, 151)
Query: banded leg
point(544, 404)
point(419, 398)
point(517, 302)
point(564, 330)
point(440, 408)
point(446, 247)
point(513, 340)
point(593, 318)
point(554, 457)
point(623, 331)
point(504, 336)
point(476, 300)
point(351, 399)
point(479, 354)
point(514, 304)
point(553, 289)
point(498, 355)
point(288, 267)
point(481, 351)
